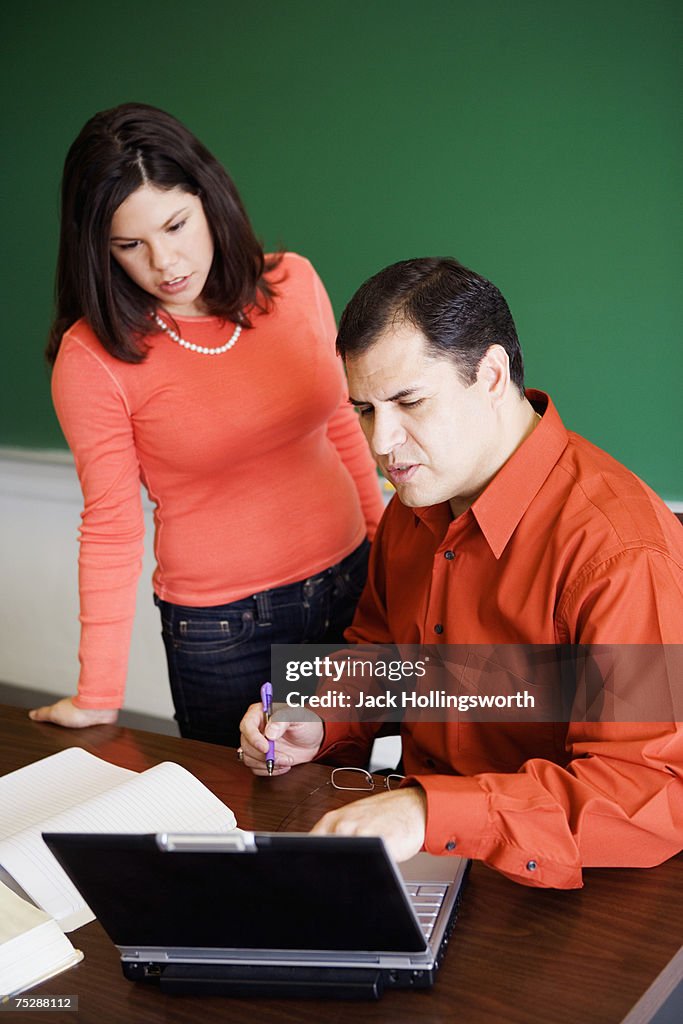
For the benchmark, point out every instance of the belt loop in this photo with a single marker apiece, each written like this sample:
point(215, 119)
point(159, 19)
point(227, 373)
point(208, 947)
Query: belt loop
point(263, 607)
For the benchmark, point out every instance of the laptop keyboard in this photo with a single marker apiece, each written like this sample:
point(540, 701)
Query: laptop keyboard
point(426, 901)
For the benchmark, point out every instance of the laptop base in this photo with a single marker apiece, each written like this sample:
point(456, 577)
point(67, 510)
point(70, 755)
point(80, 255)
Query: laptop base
point(242, 981)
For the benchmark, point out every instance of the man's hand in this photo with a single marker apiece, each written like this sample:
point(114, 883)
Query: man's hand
point(65, 713)
point(295, 742)
point(399, 817)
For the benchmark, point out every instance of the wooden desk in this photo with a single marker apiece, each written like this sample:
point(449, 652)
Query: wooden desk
point(518, 955)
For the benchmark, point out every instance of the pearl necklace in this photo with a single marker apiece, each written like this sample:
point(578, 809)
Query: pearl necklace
point(202, 349)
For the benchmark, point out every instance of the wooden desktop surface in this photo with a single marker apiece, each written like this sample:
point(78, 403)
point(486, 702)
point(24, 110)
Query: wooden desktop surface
point(518, 955)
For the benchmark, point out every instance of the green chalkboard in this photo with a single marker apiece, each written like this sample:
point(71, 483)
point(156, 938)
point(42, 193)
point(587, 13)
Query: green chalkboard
point(536, 141)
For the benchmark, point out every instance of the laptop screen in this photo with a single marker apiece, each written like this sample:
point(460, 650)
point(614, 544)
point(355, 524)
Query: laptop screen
point(289, 892)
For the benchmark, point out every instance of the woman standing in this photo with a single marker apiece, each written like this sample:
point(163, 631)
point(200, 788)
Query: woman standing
point(186, 360)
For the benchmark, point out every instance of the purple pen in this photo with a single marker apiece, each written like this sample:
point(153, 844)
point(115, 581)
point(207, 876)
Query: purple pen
point(267, 705)
point(270, 757)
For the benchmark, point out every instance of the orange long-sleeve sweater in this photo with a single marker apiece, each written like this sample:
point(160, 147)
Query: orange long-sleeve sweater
point(255, 463)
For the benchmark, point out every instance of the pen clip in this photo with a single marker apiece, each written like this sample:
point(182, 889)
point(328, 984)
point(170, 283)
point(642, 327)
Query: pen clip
point(267, 700)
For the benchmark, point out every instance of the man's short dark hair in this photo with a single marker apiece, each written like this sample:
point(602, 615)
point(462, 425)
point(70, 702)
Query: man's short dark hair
point(460, 313)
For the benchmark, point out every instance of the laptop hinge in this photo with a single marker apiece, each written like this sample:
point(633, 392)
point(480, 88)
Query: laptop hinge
point(183, 842)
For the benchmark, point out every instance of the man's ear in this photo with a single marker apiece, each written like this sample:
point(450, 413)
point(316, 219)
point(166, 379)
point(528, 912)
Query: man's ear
point(494, 374)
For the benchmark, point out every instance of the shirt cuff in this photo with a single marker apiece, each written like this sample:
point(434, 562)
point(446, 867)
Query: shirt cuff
point(111, 703)
point(459, 823)
point(457, 814)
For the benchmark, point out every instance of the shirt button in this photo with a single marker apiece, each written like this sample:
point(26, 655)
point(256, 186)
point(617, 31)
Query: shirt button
point(450, 555)
point(451, 844)
point(531, 865)
point(438, 628)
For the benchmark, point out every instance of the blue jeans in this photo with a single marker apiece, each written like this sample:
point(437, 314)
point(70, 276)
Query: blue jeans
point(219, 657)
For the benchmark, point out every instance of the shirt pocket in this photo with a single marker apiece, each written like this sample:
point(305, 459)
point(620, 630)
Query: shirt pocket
point(526, 688)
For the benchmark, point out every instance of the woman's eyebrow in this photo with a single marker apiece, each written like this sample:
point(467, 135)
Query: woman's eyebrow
point(123, 238)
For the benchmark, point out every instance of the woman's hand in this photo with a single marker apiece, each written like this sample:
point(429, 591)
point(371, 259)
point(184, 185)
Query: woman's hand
point(64, 712)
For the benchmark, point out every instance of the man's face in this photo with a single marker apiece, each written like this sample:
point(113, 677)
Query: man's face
point(431, 435)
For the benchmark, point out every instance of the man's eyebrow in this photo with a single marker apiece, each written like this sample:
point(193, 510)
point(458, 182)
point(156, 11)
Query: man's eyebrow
point(405, 393)
point(178, 213)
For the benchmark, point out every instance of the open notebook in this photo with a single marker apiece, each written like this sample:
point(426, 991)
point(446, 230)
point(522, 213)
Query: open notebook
point(76, 791)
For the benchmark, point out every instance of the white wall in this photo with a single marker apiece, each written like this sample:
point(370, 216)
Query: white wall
point(40, 505)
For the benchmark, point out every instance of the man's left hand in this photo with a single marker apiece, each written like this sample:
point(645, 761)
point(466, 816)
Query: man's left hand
point(399, 817)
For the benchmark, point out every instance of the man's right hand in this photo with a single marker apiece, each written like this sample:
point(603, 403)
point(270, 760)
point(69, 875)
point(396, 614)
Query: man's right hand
point(295, 742)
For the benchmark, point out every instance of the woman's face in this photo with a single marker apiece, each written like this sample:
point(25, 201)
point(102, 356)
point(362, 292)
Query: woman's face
point(161, 238)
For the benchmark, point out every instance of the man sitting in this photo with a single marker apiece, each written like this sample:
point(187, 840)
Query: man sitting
point(506, 529)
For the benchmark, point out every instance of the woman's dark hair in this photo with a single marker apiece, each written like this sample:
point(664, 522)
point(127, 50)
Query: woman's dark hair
point(117, 151)
point(460, 313)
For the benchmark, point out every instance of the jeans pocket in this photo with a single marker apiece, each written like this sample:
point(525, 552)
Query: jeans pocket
point(331, 599)
point(353, 571)
point(349, 587)
point(192, 633)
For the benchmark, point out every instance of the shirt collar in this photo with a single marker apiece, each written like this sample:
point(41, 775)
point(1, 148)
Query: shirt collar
point(499, 509)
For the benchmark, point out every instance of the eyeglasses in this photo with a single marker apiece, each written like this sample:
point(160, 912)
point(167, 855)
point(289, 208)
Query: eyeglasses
point(362, 781)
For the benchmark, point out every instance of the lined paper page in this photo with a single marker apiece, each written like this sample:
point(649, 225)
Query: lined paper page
point(46, 787)
point(163, 798)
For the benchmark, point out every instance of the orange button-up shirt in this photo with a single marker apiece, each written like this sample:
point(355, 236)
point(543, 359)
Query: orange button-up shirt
point(565, 546)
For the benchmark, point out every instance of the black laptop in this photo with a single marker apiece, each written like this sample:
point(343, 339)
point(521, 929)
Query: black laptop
point(271, 914)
